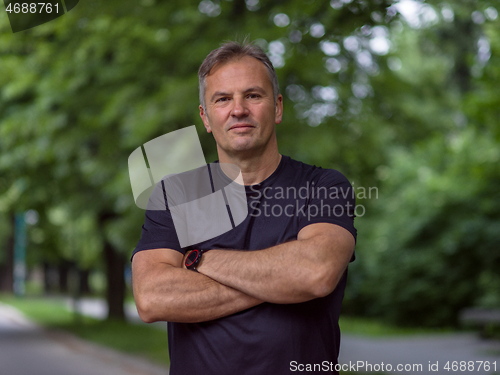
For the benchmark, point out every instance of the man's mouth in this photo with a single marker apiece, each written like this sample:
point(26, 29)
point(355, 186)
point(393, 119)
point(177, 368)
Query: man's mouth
point(241, 126)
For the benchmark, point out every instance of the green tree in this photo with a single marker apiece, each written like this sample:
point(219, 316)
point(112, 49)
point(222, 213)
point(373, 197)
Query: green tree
point(78, 94)
point(429, 244)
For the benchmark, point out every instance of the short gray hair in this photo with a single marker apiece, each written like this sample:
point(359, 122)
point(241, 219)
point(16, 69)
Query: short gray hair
point(229, 51)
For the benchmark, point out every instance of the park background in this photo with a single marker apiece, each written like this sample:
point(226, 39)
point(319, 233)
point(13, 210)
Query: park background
point(401, 96)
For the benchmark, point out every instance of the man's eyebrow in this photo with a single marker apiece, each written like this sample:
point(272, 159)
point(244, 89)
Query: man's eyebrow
point(219, 94)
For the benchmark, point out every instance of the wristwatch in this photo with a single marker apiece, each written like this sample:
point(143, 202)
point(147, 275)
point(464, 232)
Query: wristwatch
point(193, 259)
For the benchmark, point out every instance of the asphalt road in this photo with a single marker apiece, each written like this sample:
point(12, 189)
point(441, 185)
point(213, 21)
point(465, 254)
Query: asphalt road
point(26, 349)
point(451, 354)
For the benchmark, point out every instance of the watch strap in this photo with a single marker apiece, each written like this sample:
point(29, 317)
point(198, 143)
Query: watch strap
point(193, 259)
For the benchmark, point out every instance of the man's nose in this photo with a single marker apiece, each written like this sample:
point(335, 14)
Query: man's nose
point(239, 108)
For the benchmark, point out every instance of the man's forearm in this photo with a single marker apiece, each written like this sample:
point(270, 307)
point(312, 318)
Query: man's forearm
point(291, 272)
point(178, 295)
point(264, 274)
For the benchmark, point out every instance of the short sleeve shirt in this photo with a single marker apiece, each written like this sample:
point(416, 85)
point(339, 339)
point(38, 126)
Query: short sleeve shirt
point(268, 338)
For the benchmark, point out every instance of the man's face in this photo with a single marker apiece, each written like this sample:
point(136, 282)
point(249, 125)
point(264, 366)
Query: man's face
point(240, 109)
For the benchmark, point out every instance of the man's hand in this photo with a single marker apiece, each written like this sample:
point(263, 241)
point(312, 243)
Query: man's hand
point(165, 290)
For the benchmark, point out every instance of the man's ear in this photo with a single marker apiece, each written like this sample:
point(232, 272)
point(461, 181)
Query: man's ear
point(204, 118)
point(278, 116)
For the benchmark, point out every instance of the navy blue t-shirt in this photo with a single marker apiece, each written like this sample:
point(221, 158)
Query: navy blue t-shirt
point(268, 338)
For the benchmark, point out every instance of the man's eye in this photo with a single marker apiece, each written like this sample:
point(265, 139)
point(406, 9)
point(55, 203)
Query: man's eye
point(253, 96)
point(223, 99)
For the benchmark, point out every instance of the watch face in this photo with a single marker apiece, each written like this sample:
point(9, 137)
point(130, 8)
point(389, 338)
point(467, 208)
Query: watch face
point(192, 257)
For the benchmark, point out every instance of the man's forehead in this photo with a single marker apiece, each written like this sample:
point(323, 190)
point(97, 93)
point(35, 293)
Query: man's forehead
point(251, 61)
point(250, 73)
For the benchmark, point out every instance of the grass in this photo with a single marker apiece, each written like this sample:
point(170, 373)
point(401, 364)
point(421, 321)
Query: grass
point(138, 339)
point(374, 328)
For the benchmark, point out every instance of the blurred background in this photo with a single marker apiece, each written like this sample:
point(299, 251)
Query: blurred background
point(401, 96)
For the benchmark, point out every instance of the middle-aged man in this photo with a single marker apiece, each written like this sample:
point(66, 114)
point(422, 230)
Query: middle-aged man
point(264, 297)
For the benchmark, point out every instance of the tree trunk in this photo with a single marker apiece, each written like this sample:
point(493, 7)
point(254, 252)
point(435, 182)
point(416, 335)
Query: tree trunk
point(83, 282)
point(50, 278)
point(63, 272)
point(115, 293)
point(7, 268)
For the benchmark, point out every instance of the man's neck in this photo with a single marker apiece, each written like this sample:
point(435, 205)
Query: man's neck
point(255, 169)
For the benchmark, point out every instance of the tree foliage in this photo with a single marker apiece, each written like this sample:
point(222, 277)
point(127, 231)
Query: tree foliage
point(80, 93)
point(399, 102)
point(430, 245)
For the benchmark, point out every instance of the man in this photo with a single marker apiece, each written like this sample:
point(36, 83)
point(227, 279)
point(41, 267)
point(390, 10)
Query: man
point(264, 297)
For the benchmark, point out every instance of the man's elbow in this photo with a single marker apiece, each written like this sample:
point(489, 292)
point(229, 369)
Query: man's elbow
point(321, 289)
point(146, 311)
point(147, 317)
point(151, 312)
point(323, 283)
point(148, 307)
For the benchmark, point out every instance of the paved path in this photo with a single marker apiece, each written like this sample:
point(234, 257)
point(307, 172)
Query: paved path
point(426, 354)
point(420, 354)
point(26, 349)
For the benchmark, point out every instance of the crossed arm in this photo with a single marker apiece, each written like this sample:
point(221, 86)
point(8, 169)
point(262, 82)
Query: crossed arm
point(230, 281)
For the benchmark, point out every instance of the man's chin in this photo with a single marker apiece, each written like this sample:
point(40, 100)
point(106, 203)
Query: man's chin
point(241, 149)
point(243, 144)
